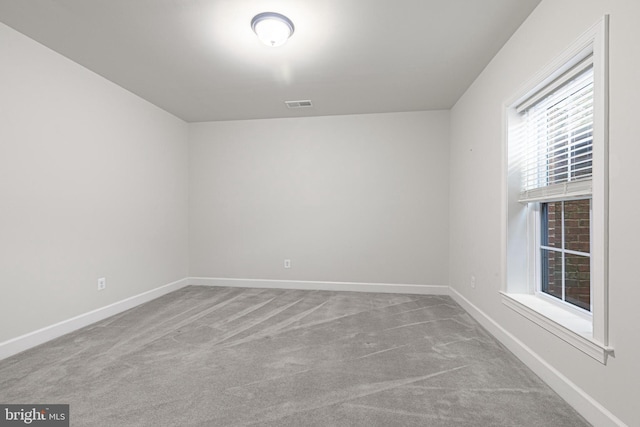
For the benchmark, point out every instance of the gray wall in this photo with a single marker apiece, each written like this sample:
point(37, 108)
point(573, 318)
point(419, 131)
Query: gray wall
point(477, 208)
point(93, 183)
point(360, 198)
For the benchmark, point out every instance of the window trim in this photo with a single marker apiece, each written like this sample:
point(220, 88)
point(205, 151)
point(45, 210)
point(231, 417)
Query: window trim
point(518, 289)
point(568, 326)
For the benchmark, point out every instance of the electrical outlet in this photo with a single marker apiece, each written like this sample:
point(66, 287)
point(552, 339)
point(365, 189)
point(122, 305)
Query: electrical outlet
point(287, 263)
point(473, 281)
point(102, 283)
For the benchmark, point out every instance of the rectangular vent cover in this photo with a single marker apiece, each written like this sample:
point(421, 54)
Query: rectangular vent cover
point(299, 104)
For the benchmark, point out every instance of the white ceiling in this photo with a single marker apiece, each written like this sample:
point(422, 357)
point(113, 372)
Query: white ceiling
point(200, 60)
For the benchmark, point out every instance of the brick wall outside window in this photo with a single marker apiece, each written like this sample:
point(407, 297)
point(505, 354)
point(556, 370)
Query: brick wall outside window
point(576, 238)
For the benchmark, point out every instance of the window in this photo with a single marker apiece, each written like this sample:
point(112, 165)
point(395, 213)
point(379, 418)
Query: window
point(555, 132)
point(565, 239)
point(556, 258)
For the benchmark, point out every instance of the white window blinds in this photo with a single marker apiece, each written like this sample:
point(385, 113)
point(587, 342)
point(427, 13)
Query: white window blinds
point(557, 137)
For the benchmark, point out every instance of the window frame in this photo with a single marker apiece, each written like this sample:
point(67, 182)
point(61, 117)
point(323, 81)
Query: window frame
point(520, 288)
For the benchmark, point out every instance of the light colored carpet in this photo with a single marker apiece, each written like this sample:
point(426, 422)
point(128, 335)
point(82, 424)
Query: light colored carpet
point(235, 357)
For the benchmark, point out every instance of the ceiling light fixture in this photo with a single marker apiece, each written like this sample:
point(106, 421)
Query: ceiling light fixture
point(273, 29)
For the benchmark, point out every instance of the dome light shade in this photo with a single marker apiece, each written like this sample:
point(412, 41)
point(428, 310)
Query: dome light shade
point(273, 29)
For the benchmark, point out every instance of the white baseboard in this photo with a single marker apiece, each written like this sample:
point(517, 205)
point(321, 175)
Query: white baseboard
point(322, 286)
point(588, 407)
point(32, 339)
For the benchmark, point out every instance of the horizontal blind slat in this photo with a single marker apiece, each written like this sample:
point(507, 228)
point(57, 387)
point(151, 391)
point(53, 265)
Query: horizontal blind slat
point(576, 70)
point(556, 135)
point(568, 190)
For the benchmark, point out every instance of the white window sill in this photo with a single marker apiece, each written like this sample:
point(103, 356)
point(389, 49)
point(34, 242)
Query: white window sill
point(564, 324)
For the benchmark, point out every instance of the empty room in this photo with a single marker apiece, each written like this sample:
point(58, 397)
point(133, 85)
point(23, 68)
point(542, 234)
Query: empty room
point(319, 213)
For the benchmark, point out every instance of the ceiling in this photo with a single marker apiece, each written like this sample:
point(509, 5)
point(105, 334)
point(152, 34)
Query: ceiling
point(200, 60)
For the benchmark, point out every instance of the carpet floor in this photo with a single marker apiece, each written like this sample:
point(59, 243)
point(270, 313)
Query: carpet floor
point(206, 356)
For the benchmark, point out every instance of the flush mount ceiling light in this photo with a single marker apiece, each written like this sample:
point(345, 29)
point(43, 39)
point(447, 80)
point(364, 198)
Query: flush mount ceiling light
point(273, 29)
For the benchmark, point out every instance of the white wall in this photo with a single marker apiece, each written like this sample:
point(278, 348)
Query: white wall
point(360, 198)
point(477, 230)
point(93, 183)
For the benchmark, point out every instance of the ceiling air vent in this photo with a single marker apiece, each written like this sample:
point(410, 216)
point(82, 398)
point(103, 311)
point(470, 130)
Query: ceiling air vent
point(299, 104)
